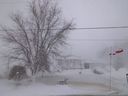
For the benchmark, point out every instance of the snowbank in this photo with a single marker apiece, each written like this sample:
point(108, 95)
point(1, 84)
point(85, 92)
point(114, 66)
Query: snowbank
point(80, 82)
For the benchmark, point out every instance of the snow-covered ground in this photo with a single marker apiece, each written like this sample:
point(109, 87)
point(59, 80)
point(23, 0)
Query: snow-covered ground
point(79, 82)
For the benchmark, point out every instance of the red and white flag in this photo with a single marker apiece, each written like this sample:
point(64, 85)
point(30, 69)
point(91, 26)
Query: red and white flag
point(117, 52)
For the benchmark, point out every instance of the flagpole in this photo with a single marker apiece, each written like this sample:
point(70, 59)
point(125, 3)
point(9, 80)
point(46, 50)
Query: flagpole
point(110, 68)
point(111, 54)
point(110, 71)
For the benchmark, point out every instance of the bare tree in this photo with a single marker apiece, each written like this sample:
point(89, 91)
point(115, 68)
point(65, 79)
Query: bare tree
point(38, 36)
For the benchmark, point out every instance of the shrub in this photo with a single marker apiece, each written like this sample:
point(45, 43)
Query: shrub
point(17, 73)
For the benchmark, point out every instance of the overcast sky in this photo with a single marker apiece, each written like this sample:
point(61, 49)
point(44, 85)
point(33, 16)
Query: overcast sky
point(86, 13)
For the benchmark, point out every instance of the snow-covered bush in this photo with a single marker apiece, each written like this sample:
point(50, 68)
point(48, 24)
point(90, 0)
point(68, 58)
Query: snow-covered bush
point(98, 71)
point(17, 73)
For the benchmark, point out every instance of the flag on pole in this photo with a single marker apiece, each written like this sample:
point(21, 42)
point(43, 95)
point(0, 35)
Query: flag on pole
point(117, 52)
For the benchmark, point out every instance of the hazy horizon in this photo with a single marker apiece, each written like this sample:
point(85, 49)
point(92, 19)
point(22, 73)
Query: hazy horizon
point(88, 44)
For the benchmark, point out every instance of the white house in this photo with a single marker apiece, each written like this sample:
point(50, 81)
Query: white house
point(70, 63)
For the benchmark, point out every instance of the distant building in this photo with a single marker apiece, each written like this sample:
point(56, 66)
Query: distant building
point(93, 65)
point(70, 63)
